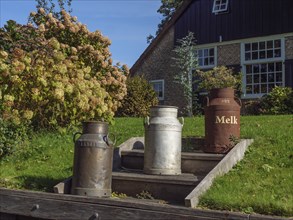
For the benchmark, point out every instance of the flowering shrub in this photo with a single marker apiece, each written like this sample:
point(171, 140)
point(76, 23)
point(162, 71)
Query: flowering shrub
point(140, 97)
point(56, 72)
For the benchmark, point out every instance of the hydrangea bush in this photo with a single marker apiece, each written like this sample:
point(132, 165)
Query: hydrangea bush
point(54, 73)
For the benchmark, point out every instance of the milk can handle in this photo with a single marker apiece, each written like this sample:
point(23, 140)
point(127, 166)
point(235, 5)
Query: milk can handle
point(207, 100)
point(181, 121)
point(106, 138)
point(146, 121)
point(74, 136)
point(238, 101)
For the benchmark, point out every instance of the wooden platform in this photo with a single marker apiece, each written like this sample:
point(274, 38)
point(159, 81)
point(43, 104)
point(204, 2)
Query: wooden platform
point(28, 205)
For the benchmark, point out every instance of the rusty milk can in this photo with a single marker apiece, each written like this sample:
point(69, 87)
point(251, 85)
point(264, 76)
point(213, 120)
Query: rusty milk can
point(93, 155)
point(162, 153)
point(222, 120)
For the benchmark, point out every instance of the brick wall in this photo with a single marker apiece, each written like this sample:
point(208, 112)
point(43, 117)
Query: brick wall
point(228, 54)
point(289, 48)
point(159, 65)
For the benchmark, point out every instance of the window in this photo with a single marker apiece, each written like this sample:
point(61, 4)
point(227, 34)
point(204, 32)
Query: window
point(262, 78)
point(158, 86)
point(262, 62)
point(206, 58)
point(263, 50)
point(220, 6)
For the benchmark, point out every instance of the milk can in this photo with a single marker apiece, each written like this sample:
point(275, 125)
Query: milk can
point(162, 153)
point(222, 121)
point(93, 155)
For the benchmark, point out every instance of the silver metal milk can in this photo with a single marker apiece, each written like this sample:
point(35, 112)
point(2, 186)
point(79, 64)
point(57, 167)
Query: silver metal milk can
point(162, 153)
point(93, 155)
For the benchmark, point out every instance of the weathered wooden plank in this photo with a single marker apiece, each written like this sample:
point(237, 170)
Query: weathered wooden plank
point(55, 206)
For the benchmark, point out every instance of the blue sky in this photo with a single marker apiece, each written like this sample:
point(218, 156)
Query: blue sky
point(126, 22)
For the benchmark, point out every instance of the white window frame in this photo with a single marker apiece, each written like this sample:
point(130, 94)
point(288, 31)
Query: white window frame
point(244, 63)
point(217, 6)
point(209, 66)
point(162, 81)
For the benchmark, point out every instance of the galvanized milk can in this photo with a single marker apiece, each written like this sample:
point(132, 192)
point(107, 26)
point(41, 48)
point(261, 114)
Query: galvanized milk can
point(93, 155)
point(162, 153)
point(222, 121)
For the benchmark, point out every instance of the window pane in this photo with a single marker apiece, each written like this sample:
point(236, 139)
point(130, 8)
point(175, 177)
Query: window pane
point(256, 89)
point(254, 46)
point(206, 52)
point(263, 78)
point(248, 56)
point(256, 68)
point(270, 87)
point(271, 77)
point(277, 43)
point(206, 61)
point(269, 44)
point(263, 88)
point(262, 54)
point(223, 7)
point(224, 1)
point(248, 79)
point(279, 66)
point(212, 52)
point(254, 55)
point(211, 61)
point(248, 69)
point(217, 8)
point(271, 67)
point(256, 78)
point(270, 54)
point(262, 45)
point(279, 77)
point(264, 68)
point(277, 53)
point(247, 47)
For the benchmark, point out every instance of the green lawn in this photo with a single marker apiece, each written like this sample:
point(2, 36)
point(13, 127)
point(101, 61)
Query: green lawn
point(262, 182)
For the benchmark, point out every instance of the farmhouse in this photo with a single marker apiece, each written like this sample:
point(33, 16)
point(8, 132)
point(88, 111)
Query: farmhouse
point(251, 36)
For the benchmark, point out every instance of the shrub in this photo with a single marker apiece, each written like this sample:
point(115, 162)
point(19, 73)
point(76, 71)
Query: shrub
point(57, 73)
point(11, 137)
point(251, 107)
point(140, 97)
point(278, 101)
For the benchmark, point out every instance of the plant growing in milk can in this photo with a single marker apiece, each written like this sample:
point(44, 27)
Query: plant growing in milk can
point(218, 78)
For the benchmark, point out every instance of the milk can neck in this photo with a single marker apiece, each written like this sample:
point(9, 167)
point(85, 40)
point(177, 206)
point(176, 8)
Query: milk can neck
point(94, 127)
point(164, 111)
point(222, 93)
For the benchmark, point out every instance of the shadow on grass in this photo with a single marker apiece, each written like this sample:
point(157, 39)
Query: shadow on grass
point(39, 183)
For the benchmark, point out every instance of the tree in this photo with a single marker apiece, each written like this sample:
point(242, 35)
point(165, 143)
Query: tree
point(186, 61)
point(167, 9)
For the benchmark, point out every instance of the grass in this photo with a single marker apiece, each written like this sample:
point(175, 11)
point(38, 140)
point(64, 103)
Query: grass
point(262, 182)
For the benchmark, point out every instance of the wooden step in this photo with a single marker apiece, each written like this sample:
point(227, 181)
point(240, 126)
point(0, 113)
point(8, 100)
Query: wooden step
point(170, 188)
point(198, 162)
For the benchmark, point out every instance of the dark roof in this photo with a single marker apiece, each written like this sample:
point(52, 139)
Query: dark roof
point(158, 38)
